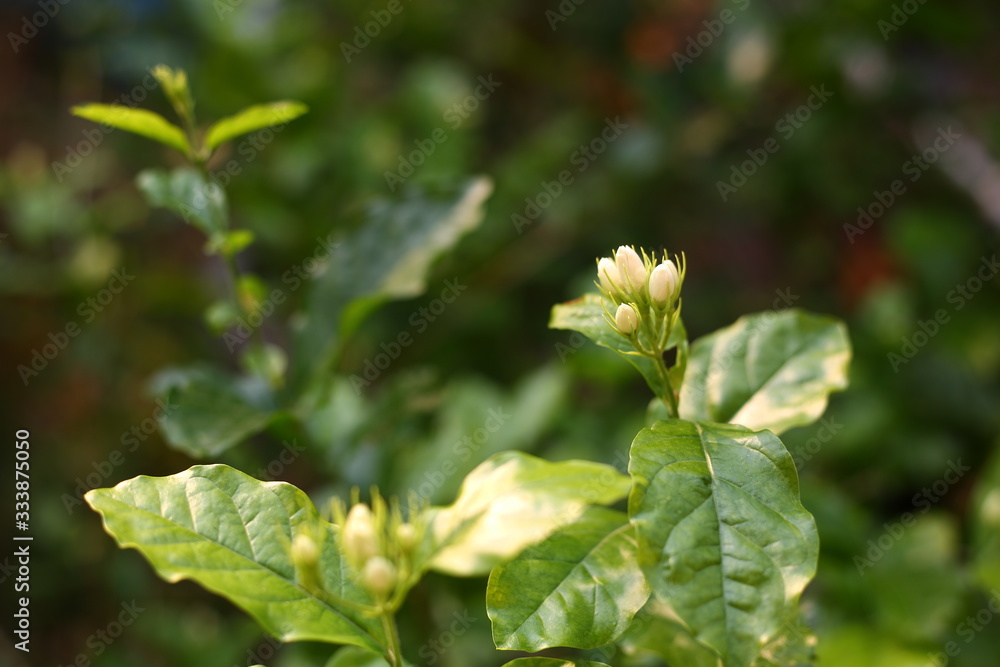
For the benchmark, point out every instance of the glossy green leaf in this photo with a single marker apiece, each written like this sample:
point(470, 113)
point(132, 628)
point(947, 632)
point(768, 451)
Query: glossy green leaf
point(253, 118)
point(232, 534)
point(580, 587)
point(723, 538)
point(586, 315)
point(388, 257)
point(209, 411)
point(138, 121)
point(552, 662)
point(188, 194)
point(771, 370)
point(513, 500)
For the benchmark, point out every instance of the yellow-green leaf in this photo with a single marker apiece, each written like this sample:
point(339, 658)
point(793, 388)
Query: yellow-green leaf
point(768, 370)
point(253, 118)
point(531, 496)
point(138, 121)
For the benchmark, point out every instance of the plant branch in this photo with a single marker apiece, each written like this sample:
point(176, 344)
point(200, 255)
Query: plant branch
point(393, 653)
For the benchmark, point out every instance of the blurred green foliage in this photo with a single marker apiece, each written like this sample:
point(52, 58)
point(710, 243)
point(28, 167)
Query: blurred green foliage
point(73, 215)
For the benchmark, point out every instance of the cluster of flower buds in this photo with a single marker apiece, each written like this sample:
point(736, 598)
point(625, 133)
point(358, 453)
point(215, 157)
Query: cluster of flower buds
point(377, 543)
point(645, 290)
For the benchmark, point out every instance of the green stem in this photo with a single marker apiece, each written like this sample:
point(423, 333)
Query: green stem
point(661, 368)
point(659, 339)
point(232, 268)
point(394, 655)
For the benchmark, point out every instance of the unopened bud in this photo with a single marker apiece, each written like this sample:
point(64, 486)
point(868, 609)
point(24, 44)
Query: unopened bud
point(626, 319)
point(611, 280)
point(379, 575)
point(305, 558)
point(359, 539)
point(630, 267)
point(407, 534)
point(305, 553)
point(663, 283)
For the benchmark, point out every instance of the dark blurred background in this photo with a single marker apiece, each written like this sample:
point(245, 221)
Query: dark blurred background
point(844, 153)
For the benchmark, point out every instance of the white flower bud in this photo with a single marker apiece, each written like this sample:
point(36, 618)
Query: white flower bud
point(305, 558)
point(407, 535)
point(379, 575)
point(359, 540)
point(663, 283)
point(608, 273)
point(630, 267)
point(626, 319)
point(305, 552)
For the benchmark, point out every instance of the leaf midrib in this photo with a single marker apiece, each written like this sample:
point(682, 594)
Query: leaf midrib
point(575, 565)
point(719, 523)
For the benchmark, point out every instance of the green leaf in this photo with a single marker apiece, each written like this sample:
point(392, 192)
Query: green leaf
point(516, 420)
point(253, 118)
point(586, 315)
point(769, 370)
point(552, 662)
point(267, 362)
point(232, 534)
point(580, 587)
point(657, 630)
point(138, 121)
point(229, 243)
point(723, 538)
point(795, 646)
point(387, 258)
point(513, 500)
point(185, 192)
point(352, 656)
point(209, 411)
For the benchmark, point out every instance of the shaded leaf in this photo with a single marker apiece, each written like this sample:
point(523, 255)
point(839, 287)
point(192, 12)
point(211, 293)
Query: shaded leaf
point(656, 629)
point(771, 370)
point(723, 538)
point(232, 534)
point(352, 656)
point(513, 500)
point(209, 411)
point(188, 194)
point(475, 420)
point(138, 121)
point(253, 118)
point(586, 315)
point(580, 587)
point(387, 258)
